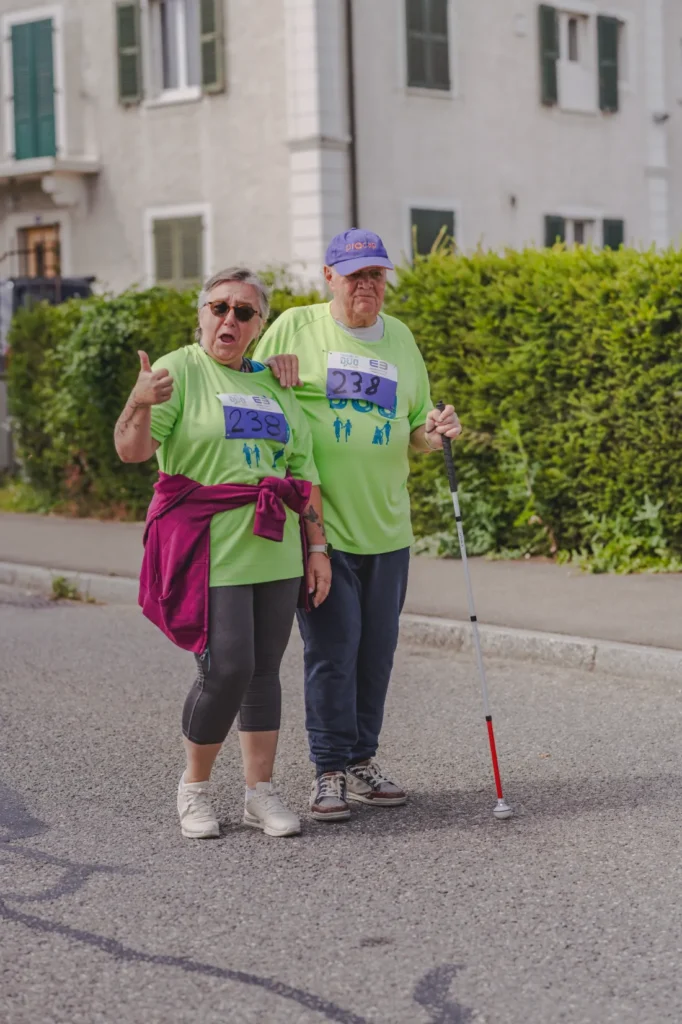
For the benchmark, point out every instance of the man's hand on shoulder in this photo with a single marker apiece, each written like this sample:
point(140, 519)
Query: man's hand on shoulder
point(285, 368)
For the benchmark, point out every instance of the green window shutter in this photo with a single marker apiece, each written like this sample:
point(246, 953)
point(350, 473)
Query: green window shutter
point(178, 252)
point(129, 53)
point(45, 116)
point(33, 85)
point(23, 74)
point(549, 55)
point(608, 30)
point(555, 230)
point(427, 225)
point(614, 234)
point(212, 46)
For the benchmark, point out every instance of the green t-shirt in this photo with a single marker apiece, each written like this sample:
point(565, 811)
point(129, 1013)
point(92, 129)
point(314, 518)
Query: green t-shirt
point(360, 449)
point(191, 429)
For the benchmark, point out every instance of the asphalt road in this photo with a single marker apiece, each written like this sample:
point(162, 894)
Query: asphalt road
point(430, 914)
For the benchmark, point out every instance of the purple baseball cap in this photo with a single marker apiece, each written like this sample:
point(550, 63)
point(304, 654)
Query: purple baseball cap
point(355, 250)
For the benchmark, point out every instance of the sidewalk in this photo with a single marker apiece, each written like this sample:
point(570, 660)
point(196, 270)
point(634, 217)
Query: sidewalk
point(533, 595)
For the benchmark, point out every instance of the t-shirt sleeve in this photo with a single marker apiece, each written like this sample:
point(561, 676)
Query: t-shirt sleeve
point(276, 340)
point(164, 416)
point(421, 403)
point(300, 447)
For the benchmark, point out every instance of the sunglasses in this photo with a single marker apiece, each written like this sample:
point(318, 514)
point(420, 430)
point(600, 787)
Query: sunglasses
point(242, 311)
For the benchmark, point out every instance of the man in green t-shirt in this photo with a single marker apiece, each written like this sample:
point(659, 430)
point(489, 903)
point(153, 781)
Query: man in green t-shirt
point(365, 391)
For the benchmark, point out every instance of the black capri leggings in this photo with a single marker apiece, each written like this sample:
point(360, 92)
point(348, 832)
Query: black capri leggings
point(248, 631)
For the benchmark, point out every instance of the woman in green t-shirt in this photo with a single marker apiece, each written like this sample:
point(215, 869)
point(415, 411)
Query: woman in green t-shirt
point(217, 418)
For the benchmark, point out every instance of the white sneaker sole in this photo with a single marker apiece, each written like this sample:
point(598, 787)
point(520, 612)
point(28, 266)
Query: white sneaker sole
point(253, 822)
point(211, 833)
point(393, 801)
point(330, 815)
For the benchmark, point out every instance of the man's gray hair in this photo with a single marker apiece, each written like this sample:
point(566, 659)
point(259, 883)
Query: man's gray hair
point(244, 276)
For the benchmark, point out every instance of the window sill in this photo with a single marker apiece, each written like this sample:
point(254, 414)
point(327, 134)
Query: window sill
point(433, 94)
point(171, 97)
point(38, 167)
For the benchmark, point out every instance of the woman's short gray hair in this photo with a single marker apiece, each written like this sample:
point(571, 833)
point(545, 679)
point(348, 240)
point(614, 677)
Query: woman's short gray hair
point(243, 275)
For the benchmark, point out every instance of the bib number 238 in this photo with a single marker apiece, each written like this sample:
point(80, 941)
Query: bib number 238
point(249, 417)
point(351, 376)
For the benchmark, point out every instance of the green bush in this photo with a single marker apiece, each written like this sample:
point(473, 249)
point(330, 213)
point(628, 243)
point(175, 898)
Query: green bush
point(71, 369)
point(566, 369)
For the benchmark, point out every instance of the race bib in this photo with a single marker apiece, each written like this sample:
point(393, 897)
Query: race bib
point(254, 416)
point(373, 380)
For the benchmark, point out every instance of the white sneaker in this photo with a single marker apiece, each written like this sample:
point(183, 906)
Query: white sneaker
point(197, 817)
point(265, 810)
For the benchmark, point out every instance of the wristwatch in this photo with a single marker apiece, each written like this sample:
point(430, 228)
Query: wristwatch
point(320, 549)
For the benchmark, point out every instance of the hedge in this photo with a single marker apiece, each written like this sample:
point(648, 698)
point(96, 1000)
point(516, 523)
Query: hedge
point(565, 367)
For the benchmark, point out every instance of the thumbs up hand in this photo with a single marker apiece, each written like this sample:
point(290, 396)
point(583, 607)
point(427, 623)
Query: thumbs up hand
point(153, 386)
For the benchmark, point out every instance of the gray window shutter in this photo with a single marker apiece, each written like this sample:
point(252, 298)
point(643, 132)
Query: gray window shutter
point(179, 252)
point(549, 55)
point(165, 269)
point(191, 232)
point(129, 53)
point(555, 230)
point(607, 37)
point(427, 225)
point(212, 46)
point(614, 234)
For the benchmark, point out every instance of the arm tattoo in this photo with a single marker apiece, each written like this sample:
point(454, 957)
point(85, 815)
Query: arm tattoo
point(126, 418)
point(311, 516)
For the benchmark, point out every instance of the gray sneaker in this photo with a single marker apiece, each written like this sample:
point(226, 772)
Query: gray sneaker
point(367, 784)
point(328, 797)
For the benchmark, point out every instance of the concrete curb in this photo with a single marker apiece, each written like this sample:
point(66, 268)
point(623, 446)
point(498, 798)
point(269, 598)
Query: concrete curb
point(631, 661)
point(109, 589)
point(589, 655)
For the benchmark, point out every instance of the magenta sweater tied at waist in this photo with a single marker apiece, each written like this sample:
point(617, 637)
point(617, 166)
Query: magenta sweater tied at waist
point(177, 559)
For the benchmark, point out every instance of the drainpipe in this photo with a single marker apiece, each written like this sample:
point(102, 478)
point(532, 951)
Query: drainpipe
point(352, 124)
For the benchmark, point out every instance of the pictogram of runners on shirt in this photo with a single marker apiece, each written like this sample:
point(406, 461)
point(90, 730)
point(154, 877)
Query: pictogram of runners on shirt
point(251, 454)
point(382, 435)
point(340, 426)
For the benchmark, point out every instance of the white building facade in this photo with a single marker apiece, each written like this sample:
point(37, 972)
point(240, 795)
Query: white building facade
point(159, 140)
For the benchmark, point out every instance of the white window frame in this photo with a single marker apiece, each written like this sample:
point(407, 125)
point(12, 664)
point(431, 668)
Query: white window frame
point(451, 205)
point(155, 213)
point(401, 65)
point(153, 59)
point(7, 22)
point(584, 213)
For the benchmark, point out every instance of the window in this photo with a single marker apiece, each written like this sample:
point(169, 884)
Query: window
point(428, 54)
point(584, 231)
point(573, 54)
point(175, 34)
point(186, 49)
point(581, 60)
point(427, 226)
point(33, 89)
point(178, 251)
point(39, 251)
